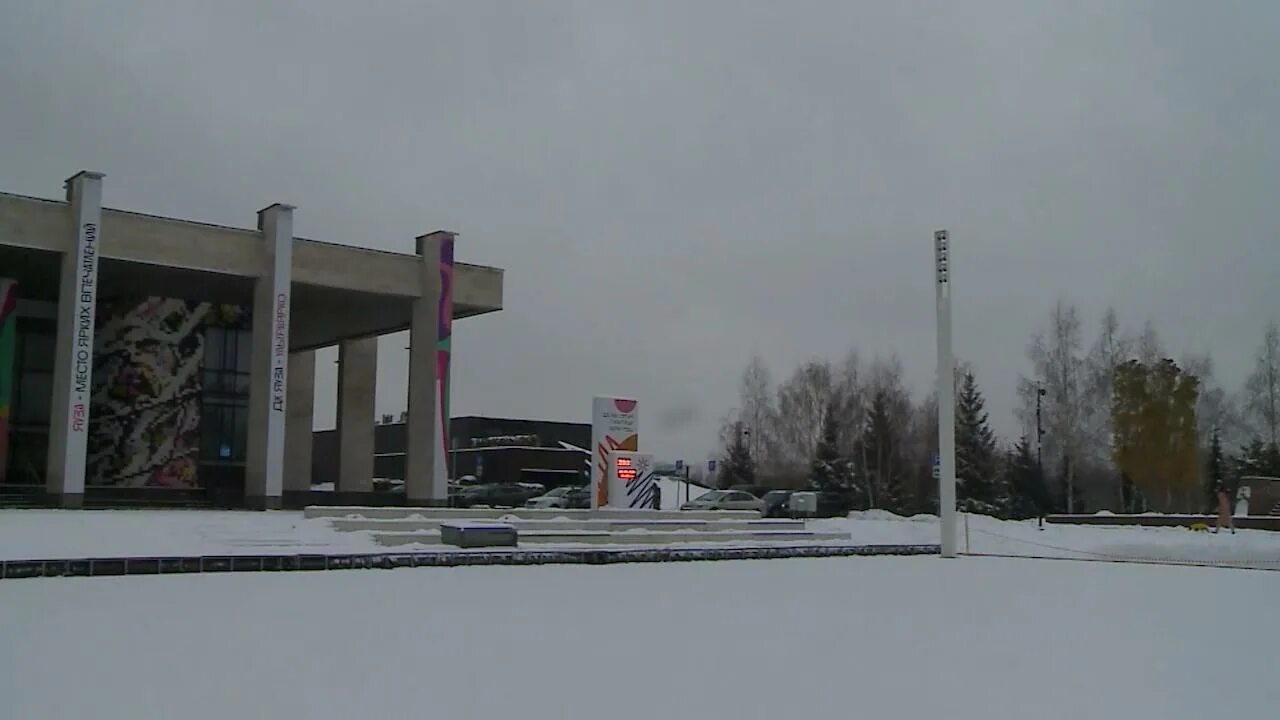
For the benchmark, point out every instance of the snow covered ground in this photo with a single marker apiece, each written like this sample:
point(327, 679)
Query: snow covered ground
point(46, 534)
point(965, 639)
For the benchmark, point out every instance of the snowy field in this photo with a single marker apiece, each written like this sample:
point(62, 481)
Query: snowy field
point(971, 638)
point(49, 534)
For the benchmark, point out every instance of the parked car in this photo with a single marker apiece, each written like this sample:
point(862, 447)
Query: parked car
point(835, 503)
point(494, 495)
point(725, 500)
point(566, 496)
point(758, 490)
point(579, 499)
point(777, 504)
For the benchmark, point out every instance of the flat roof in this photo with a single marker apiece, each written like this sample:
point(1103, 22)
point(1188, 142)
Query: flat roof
point(339, 291)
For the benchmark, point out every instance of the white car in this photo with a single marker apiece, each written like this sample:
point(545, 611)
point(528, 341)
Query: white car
point(725, 500)
point(561, 497)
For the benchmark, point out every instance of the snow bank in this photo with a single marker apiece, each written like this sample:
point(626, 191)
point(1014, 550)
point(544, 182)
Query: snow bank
point(49, 534)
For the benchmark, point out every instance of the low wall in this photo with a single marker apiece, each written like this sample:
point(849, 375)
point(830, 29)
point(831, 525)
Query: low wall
point(87, 567)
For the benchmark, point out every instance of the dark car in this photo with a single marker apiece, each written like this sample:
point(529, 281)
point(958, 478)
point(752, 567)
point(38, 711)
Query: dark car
point(777, 504)
point(835, 503)
point(579, 499)
point(495, 495)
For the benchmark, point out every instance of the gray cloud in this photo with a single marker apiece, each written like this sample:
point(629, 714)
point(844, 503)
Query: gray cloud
point(673, 185)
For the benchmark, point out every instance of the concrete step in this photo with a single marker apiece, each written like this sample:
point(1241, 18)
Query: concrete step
point(427, 513)
point(690, 523)
point(600, 537)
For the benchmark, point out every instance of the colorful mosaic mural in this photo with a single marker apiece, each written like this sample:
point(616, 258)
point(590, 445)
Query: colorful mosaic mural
point(145, 424)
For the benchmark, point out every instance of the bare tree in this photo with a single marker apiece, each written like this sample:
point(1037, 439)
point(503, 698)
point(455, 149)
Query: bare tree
point(881, 454)
point(920, 447)
point(1147, 346)
point(1262, 389)
point(755, 399)
point(1059, 368)
point(1215, 408)
point(1110, 349)
point(850, 401)
point(803, 401)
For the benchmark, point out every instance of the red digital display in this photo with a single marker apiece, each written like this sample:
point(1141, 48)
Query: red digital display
point(625, 469)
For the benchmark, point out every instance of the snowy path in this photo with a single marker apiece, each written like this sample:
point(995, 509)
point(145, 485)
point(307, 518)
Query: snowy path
point(970, 639)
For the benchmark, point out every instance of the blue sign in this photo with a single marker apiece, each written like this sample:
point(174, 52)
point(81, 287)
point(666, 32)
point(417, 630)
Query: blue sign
point(711, 466)
point(679, 465)
point(937, 467)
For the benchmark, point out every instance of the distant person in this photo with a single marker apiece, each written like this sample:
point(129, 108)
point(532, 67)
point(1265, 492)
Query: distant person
point(1224, 507)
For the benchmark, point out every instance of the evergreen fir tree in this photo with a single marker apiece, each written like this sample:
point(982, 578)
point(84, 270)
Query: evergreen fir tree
point(1257, 458)
point(879, 449)
point(1216, 476)
point(828, 470)
point(1022, 477)
point(977, 488)
point(738, 467)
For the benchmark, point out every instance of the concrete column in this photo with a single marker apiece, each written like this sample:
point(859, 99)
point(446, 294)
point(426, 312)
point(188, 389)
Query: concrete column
point(426, 477)
point(268, 379)
point(300, 419)
point(357, 388)
point(73, 350)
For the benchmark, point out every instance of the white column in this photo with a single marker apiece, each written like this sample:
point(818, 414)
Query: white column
point(300, 411)
point(268, 380)
point(946, 396)
point(426, 475)
point(357, 388)
point(73, 353)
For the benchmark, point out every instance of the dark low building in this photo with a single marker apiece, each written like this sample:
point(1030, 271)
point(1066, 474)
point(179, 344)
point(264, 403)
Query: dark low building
point(495, 450)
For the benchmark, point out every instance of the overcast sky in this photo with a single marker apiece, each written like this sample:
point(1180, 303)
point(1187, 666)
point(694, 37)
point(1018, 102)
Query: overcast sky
point(672, 186)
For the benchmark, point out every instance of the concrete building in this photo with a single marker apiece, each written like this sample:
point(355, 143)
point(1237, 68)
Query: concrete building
point(145, 358)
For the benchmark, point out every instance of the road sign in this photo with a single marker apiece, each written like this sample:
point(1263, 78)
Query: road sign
point(937, 467)
point(679, 465)
point(711, 466)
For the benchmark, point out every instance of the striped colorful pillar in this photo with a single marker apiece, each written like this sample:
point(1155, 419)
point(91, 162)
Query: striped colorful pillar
point(8, 341)
point(444, 350)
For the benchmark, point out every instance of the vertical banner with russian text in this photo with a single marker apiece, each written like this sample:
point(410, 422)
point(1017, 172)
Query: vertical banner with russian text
point(614, 427)
point(280, 237)
point(86, 201)
point(8, 343)
point(444, 352)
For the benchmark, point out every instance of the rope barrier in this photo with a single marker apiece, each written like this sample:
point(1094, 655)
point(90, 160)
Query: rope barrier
point(1096, 556)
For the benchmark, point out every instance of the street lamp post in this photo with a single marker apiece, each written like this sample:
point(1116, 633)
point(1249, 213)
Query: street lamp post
point(946, 396)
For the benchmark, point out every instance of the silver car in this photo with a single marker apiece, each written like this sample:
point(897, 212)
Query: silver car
point(725, 500)
point(557, 498)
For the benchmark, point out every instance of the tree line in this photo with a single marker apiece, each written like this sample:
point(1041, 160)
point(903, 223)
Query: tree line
point(1115, 423)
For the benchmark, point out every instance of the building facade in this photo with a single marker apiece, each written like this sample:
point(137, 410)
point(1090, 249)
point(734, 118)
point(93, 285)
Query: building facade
point(493, 450)
point(148, 358)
